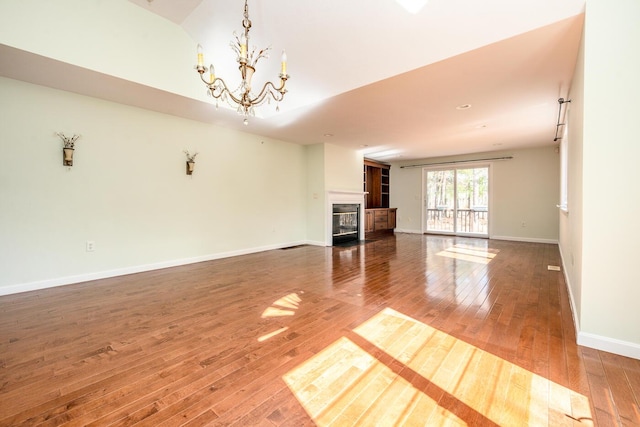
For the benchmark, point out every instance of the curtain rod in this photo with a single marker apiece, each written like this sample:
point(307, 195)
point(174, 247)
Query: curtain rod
point(457, 161)
point(560, 102)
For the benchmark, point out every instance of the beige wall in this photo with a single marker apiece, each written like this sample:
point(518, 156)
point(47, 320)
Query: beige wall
point(610, 278)
point(128, 190)
point(524, 189)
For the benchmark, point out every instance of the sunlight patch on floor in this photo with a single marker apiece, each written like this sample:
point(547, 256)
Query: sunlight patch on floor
point(344, 385)
point(481, 248)
point(493, 387)
point(284, 306)
point(443, 380)
point(289, 301)
point(272, 334)
point(481, 256)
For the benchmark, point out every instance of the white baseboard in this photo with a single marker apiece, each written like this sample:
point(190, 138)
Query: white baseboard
point(315, 243)
point(525, 239)
point(611, 345)
point(572, 301)
point(511, 238)
point(402, 230)
point(69, 280)
point(598, 342)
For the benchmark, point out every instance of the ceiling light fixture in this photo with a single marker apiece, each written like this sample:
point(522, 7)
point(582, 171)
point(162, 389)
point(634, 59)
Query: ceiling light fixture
point(412, 6)
point(463, 107)
point(243, 98)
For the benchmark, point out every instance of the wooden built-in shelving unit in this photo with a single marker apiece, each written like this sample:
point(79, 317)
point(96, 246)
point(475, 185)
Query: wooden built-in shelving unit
point(378, 215)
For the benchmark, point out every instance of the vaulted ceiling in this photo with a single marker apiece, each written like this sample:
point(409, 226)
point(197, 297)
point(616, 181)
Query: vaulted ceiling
point(370, 75)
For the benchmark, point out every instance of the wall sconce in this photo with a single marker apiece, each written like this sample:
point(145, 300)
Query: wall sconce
point(191, 163)
point(68, 148)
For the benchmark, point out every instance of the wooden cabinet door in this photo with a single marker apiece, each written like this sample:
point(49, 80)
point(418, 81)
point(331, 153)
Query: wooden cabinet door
point(391, 219)
point(368, 221)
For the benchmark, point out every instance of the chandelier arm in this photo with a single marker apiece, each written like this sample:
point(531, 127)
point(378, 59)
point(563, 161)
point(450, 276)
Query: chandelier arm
point(270, 91)
point(224, 90)
point(220, 85)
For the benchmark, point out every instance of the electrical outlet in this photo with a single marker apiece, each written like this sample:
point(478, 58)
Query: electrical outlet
point(91, 246)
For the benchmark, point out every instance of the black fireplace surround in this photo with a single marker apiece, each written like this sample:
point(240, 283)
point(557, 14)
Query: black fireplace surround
point(346, 223)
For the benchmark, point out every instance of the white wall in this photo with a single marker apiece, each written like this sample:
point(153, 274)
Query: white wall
point(343, 168)
point(329, 168)
point(316, 193)
point(114, 37)
point(610, 317)
point(405, 193)
point(524, 189)
point(570, 241)
point(128, 190)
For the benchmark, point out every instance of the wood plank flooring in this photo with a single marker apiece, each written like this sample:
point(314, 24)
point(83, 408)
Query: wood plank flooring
point(403, 330)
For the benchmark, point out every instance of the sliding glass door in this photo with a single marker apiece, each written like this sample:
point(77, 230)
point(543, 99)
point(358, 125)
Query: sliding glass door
point(457, 201)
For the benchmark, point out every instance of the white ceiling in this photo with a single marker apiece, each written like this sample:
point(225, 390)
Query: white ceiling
point(376, 77)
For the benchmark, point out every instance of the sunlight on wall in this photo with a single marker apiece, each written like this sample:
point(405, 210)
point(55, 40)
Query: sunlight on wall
point(433, 378)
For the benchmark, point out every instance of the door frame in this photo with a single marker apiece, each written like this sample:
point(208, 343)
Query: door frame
point(469, 165)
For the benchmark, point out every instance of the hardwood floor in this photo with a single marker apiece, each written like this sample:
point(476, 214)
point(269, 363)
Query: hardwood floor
point(405, 330)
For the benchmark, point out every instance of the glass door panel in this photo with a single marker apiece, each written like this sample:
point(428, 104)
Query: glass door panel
point(440, 200)
point(472, 194)
point(457, 201)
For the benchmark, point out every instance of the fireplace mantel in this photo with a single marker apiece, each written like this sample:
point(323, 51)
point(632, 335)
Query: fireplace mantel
point(342, 197)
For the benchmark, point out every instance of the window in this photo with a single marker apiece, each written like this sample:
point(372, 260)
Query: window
point(564, 163)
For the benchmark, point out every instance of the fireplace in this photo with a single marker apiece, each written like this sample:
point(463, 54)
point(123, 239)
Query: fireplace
point(349, 207)
point(345, 223)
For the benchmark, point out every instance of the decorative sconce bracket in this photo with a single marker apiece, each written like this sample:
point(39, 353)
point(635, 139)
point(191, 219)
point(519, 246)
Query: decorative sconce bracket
point(190, 167)
point(68, 147)
point(191, 163)
point(67, 156)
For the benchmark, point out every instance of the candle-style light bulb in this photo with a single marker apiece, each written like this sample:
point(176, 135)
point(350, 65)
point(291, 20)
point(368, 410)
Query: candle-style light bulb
point(243, 46)
point(284, 63)
point(212, 73)
point(200, 56)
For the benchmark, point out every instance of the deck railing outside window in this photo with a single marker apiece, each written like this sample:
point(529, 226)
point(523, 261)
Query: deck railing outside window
point(468, 220)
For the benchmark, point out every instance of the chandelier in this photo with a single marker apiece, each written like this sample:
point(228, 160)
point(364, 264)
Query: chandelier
point(243, 98)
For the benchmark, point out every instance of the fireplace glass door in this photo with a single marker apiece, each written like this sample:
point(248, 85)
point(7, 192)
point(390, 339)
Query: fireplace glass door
point(345, 222)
